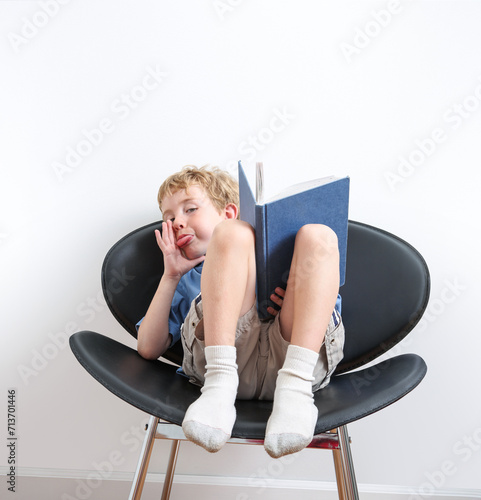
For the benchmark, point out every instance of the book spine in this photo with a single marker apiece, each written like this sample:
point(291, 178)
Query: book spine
point(262, 262)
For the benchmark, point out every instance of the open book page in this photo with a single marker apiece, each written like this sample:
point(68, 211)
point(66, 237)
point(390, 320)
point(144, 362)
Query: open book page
point(303, 186)
point(259, 183)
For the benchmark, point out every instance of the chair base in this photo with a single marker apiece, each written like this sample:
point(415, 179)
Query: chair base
point(338, 441)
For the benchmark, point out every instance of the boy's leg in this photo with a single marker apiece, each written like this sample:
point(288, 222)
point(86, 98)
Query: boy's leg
point(228, 280)
point(310, 298)
point(228, 292)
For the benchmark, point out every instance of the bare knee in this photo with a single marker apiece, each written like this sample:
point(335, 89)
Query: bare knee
point(317, 238)
point(233, 233)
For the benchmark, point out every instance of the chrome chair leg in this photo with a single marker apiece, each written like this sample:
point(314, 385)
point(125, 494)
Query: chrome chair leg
point(347, 464)
point(341, 487)
point(143, 464)
point(169, 474)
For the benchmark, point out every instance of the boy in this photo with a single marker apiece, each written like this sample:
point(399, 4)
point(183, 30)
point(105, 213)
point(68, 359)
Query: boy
point(227, 349)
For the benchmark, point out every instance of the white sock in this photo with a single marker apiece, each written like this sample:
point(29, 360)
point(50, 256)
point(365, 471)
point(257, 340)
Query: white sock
point(208, 421)
point(291, 425)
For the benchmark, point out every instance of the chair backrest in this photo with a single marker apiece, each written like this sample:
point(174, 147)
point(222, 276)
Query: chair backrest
point(385, 294)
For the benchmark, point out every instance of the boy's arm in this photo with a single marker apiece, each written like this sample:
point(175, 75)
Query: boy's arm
point(153, 337)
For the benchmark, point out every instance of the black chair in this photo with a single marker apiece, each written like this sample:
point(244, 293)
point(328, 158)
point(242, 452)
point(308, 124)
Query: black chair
point(386, 292)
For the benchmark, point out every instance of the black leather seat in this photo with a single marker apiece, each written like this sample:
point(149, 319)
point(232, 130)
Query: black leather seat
point(386, 292)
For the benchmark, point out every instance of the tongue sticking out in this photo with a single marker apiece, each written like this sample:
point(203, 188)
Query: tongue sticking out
point(184, 240)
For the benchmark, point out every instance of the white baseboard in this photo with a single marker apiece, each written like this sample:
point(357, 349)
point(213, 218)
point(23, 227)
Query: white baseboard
point(53, 484)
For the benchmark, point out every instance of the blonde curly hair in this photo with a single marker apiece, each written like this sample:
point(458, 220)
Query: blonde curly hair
point(218, 184)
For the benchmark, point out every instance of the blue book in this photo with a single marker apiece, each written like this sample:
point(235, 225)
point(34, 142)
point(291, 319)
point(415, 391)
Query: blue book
point(276, 222)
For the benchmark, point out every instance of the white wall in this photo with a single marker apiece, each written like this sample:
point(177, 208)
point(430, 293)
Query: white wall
point(353, 103)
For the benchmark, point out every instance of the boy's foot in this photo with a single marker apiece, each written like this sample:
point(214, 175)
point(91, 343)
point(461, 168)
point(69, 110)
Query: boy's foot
point(291, 425)
point(208, 421)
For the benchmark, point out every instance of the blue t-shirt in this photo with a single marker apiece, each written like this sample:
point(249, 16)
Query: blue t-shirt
point(186, 291)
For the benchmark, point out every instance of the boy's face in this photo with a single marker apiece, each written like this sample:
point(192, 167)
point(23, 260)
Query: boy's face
point(194, 218)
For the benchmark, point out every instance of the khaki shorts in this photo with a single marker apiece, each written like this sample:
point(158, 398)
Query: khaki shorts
point(261, 351)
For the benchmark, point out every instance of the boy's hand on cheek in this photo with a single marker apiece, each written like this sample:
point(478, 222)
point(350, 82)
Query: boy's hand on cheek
point(175, 263)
